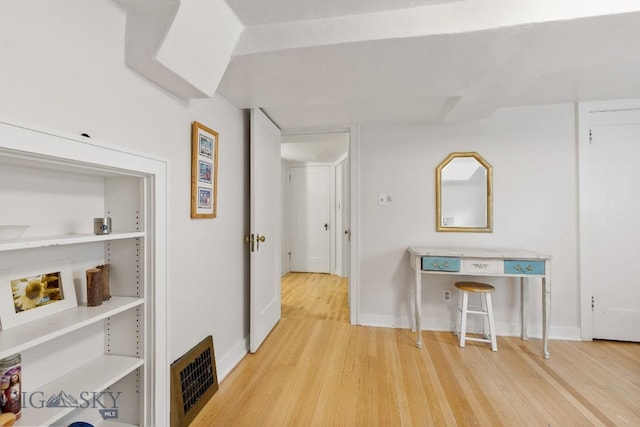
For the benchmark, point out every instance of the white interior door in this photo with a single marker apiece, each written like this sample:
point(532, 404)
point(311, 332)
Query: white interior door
point(264, 243)
point(615, 231)
point(310, 219)
point(346, 217)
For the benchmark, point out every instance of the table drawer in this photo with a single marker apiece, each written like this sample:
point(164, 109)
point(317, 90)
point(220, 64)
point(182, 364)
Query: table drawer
point(481, 266)
point(515, 266)
point(431, 263)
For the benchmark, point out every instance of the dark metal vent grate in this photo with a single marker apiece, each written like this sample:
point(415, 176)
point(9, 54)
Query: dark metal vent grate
point(195, 379)
point(193, 382)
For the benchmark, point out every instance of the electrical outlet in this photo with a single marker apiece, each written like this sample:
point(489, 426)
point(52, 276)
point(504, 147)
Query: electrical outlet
point(446, 295)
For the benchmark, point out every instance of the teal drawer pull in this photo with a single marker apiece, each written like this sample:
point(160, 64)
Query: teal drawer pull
point(430, 263)
point(523, 267)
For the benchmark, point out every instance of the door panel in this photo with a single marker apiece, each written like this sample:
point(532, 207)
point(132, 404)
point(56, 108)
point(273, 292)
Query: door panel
point(615, 231)
point(346, 217)
point(310, 219)
point(265, 205)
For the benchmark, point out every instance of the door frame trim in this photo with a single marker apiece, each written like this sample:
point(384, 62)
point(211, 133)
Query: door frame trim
point(354, 194)
point(341, 221)
point(354, 267)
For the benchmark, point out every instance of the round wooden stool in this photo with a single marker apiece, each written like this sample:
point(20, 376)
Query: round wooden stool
point(485, 309)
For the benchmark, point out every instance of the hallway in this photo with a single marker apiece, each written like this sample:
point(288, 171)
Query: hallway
point(314, 295)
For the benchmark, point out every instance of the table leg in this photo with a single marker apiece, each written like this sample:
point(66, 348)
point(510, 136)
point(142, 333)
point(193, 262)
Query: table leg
point(524, 308)
point(546, 315)
point(418, 308)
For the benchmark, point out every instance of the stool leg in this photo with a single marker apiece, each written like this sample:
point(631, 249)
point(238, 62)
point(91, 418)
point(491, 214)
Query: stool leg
point(458, 311)
point(463, 318)
point(492, 326)
point(485, 317)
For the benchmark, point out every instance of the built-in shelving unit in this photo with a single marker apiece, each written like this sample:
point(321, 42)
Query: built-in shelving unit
point(57, 184)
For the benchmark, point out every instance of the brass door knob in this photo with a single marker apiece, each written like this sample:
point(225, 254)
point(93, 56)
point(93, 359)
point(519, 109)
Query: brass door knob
point(259, 239)
point(250, 241)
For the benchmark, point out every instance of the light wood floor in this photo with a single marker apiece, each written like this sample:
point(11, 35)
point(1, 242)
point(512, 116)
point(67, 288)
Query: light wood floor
point(315, 369)
point(315, 296)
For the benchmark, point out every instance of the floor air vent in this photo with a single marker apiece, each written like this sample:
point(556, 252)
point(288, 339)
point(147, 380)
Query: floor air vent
point(193, 381)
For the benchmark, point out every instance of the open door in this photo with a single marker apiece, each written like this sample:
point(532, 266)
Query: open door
point(264, 237)
point(346, 218)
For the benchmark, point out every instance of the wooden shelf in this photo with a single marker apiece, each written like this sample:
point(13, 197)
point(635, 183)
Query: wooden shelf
point(94, 376)
point(20, 338)
point(69, 239)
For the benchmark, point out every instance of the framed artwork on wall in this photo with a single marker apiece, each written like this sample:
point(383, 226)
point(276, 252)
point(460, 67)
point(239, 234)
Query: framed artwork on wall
point(33, 292)
point(204, 171)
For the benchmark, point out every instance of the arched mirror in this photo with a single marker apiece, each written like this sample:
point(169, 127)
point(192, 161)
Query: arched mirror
point(463, 193)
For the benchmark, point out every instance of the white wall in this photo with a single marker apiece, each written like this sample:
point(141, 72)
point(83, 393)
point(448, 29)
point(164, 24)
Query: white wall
point(534, 158)
point(63, 67)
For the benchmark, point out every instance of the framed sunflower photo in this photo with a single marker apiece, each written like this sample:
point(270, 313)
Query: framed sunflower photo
point(33, 292)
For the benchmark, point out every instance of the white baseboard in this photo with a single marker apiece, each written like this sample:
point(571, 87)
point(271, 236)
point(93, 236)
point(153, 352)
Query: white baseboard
point(565, 333)
point(503, 329)
point(383, 321)
point(230, 360)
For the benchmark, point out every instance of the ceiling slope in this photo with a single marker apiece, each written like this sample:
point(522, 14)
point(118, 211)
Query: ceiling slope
point(320, 65)
point(183, 47)
point(445, 62)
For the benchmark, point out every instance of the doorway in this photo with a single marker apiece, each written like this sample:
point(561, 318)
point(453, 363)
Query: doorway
point(315, 216)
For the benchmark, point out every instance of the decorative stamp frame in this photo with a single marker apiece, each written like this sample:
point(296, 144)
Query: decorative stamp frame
point(204, 171)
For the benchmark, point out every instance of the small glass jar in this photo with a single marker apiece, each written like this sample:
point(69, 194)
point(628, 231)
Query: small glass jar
point(11, 385)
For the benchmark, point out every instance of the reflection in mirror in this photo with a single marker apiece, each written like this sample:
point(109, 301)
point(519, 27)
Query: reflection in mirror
point(463, 193)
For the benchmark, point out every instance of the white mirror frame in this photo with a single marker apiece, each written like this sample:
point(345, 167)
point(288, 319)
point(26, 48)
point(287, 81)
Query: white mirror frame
point(488, 227)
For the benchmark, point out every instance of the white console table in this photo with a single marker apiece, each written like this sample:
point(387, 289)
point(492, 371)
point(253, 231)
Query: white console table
point(485, 262)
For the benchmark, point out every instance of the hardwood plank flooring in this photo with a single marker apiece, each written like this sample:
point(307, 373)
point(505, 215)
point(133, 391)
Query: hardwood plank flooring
point(317, 296)
point(315, 369)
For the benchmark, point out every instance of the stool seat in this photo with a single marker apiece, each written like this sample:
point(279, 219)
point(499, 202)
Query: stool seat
point(485, 309)
point(474, 287)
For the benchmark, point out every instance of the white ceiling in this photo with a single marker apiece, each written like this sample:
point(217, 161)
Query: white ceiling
point(327, 64)
point(316, 147)
point(252, 12)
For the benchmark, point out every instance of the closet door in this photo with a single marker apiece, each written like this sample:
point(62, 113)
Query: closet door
point(311, 219)
point(614, 231)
